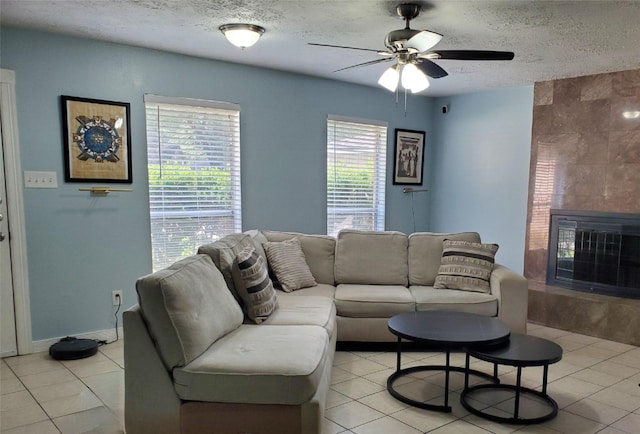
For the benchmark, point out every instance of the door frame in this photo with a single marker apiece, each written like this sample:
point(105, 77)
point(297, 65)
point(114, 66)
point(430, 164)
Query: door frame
point(15, 209)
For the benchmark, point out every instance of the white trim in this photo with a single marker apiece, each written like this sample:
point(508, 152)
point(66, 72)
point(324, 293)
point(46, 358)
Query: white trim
point(8, 354)
point(15, 205)
point(108, 335)
point(192, 102)
point(357, 120)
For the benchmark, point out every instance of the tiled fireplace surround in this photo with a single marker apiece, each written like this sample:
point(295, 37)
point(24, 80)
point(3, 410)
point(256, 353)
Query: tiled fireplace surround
point(585, 156)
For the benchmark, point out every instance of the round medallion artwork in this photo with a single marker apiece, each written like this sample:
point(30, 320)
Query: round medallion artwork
point(97, 139)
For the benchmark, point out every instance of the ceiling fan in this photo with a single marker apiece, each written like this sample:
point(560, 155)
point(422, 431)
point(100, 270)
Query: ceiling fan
point(412, 51)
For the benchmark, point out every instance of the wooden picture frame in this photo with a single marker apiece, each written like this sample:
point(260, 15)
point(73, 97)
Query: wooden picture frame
point(97, 140)
point(408, 160)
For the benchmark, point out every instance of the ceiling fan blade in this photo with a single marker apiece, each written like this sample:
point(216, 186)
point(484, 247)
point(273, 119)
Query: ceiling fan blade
point(373, 62)
point(430, 69)
point(469, 55)
point(341, 46)
point(423, 41)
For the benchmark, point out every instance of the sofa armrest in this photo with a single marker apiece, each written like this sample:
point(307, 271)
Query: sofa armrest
point(151, 402)
point(512, 291)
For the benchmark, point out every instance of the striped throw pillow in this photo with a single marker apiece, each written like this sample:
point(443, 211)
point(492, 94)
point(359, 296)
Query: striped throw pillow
point(289, 265)
point(255, 287)
point(466, 266)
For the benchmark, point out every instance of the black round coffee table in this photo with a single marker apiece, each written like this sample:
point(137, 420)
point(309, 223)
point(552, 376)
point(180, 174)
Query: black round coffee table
point(443, 331)
point(520, 351)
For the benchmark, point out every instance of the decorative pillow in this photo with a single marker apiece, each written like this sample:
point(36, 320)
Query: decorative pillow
point(223, 254)
point(466, 266)
point(289, 264)
point(319, 252)
point(254, 285)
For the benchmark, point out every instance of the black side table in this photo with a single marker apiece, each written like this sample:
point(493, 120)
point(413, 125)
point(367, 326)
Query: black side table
point(443, 331)
point(521, 351)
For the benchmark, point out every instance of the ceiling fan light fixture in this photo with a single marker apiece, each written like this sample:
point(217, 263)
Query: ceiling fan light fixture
point(421, 84)
point(414, 54)
point(242, 35)
point(412, 78)
point(390, 78)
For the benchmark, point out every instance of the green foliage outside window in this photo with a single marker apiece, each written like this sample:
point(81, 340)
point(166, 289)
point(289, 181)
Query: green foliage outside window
point(352, 183)
point(212, 185)
point(195, 221)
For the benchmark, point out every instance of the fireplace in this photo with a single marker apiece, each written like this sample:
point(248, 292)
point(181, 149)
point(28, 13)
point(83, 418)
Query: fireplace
point(595, 252)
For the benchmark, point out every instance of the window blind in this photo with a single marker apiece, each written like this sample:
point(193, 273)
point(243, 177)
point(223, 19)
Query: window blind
point(193, 152)
point(356, 174)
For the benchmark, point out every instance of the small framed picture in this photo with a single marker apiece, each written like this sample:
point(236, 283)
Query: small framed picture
point(408, 159)
point(97, 140)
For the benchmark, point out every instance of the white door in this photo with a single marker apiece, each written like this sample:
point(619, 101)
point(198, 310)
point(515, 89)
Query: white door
point(8, 343)
point(15, 315)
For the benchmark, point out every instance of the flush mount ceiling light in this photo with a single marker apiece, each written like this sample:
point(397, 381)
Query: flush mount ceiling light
point(242, 35)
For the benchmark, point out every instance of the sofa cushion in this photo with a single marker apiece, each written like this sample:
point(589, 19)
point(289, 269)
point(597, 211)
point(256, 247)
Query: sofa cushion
point(187, 307)
point(368, 301)
point(308, 310)
point(319, 251)
point(377, 258)
point(254, 286)
point(320, 290)
point(466, 266)
point(425, 254)
point(258, 364)
point(223, 253)
point(289, 265)
point(429, 298)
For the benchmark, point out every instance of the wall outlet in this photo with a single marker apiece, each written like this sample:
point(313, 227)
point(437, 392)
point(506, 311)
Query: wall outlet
point(116, 297)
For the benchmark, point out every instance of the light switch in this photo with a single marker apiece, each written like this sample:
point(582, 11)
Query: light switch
point(40, 179)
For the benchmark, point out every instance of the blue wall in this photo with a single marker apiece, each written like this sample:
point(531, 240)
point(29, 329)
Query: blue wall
point(480, 168)
point(80, 248)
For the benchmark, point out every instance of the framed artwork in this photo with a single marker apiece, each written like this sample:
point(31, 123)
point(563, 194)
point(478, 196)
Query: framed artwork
point(408, 159)
point(97, 140)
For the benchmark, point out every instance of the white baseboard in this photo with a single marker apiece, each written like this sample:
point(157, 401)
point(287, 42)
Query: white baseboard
point(100, 335)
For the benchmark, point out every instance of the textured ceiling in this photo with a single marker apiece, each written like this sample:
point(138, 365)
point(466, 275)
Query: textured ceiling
point(551, 39)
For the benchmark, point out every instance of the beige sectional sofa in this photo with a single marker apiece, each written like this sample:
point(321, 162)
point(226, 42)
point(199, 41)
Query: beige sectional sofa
point(195, 364)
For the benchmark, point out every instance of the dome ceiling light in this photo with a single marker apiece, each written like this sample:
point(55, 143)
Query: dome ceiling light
point(242, 35)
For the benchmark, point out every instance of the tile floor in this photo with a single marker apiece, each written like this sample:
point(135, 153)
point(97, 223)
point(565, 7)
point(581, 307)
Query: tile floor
point(596, 385)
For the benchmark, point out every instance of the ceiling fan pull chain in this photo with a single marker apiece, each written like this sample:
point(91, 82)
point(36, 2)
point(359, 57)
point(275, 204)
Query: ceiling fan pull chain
point(405, 102)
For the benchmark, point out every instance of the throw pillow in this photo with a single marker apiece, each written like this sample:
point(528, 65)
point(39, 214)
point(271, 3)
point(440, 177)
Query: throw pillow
point(466, 266)
point(289, 264)
point(255, 287)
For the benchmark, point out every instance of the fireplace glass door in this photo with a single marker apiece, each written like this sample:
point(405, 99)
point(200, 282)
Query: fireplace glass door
point(595, 256)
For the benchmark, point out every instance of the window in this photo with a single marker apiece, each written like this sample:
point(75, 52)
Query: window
point(356, 174)
point(193, 152)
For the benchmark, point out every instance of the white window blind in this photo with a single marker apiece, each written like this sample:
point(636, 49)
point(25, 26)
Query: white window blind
point(193, 151)
point(356, 174)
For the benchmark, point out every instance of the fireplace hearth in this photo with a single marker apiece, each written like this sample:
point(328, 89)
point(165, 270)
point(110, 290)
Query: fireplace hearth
point(595, 252)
